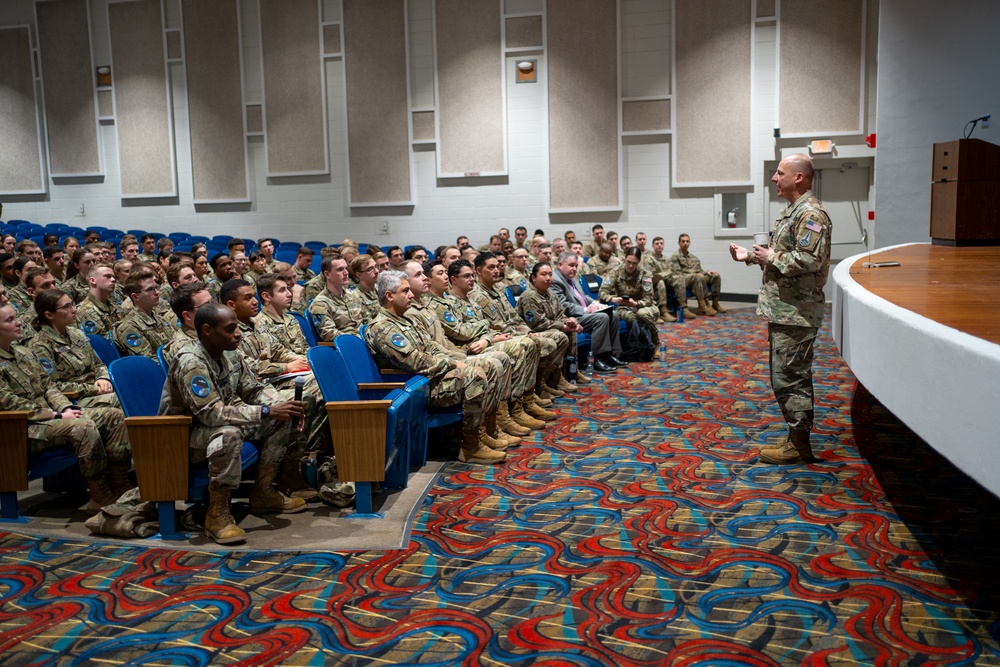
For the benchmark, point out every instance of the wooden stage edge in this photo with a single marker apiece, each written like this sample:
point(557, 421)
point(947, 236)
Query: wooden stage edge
point(956, 287)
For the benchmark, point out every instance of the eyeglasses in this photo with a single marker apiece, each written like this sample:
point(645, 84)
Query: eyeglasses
point(67, 306)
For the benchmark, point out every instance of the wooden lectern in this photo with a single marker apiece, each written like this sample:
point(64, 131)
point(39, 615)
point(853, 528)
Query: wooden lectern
point(965, 193)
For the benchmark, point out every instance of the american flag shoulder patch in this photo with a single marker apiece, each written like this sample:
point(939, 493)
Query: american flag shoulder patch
point(814, 226)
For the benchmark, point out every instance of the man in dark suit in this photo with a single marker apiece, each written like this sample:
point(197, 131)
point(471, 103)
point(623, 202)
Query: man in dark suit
point(602, 327)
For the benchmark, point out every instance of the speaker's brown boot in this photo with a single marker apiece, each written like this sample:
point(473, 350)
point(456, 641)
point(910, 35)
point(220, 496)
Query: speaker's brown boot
point(715, 304)
point(793, 448)
point(705, 308)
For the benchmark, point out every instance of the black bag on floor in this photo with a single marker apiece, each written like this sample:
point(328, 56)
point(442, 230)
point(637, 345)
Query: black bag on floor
point(638, 343)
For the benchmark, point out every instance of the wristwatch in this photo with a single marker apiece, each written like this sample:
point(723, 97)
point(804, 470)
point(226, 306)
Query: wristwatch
point(265, 411)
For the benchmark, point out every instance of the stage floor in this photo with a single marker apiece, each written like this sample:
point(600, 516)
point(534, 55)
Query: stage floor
point(956, 287)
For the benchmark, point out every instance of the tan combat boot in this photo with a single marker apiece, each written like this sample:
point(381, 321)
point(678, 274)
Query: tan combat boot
point(118, 479)
point(100, 495)
point(219, 522)
point(490, 435)
point(665, 316)
point(507, 423)
point(538, 412)
point(581, 378)
point(557, 381)
point(264, 499)
point(290, 481)
point(682, 304)
point(474, 451)
point(518, 414)
point(705, 308)
point(715, 304)
point(793, 448)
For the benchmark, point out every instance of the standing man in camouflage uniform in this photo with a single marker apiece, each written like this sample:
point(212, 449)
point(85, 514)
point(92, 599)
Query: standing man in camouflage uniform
point(210, 381)
point(796, 263)
point(631, 289)
point(98, 435)
point(688, 269)
point(99, 311)
point(333, 311)
point(142, 330)
point(274, 317)
point(658, 266)
point(396, 343)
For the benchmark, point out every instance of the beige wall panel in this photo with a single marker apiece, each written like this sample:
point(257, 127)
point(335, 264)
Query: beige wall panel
point(820, 77)
point(215, 100)
point(21, 158)
point(294, 104)
point(68, 81)
point(143, 118)
point(423, 126)
point(712, 48)
point(645, 115)
point(331, 39)
point(524, 32)
point(582, 44)
point(470, 86)
point(375, 63)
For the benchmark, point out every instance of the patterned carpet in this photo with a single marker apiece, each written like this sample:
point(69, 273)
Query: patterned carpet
point(638, 530)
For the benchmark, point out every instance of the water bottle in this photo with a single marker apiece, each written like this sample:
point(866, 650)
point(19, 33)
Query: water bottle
point(310, 472)
point(680, 315)
point(663, 351)
point(570, 368)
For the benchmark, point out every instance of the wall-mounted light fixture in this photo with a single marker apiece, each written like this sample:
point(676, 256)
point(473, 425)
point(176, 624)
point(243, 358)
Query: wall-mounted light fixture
point(526, 72)
point(103, 76)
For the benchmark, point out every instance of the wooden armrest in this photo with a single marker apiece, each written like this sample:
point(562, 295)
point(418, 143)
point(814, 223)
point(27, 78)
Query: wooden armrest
point(358, 432)
point(14, 450)
point(325, 343)
point(380, 385)
point(160, 450)
point(71, 395)
point(393, 371)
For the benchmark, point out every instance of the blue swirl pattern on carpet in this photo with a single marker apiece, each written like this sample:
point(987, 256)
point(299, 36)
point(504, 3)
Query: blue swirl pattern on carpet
point(637, 529)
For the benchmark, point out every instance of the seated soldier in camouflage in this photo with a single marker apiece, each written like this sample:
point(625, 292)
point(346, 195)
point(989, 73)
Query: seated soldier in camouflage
point(552, 345)
point(66, 354)
point(631, 289)
point(526, 398)
point(35, 281)
point(210, 381)
point(18, 294)
point(424, 314)
point(123, 268)
point(76, 284)
point(396, 343)
point(278, 366)
point(333, 312)
point(542, 310)
point(97, 434)
point(143, 330)
point(364, 269)
point(274, 317)
point(604, 261)
point(687, 267)
point(186, 302)
point(99, 311)
point(664, 281)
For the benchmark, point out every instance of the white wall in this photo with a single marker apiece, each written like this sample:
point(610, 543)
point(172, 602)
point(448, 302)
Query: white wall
point(938, 65)
point(317, 208)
